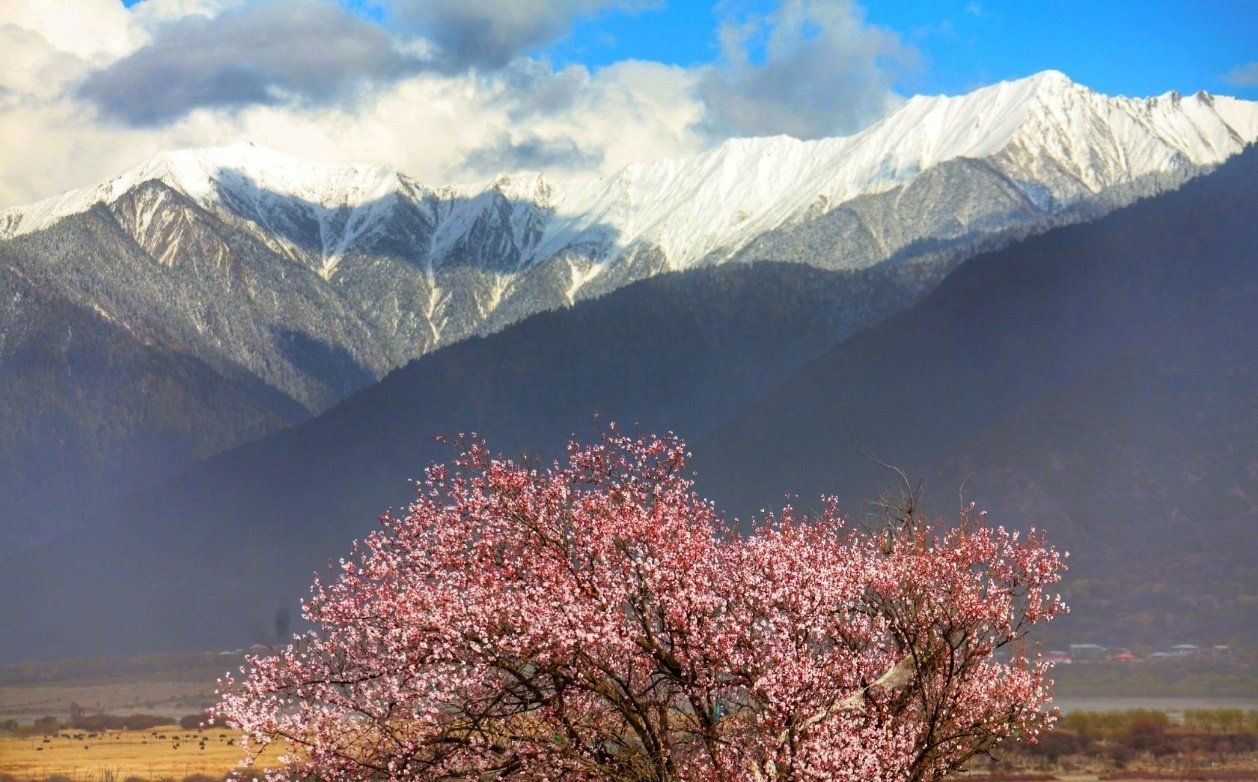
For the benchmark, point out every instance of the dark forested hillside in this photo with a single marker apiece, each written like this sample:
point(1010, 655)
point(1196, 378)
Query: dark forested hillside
point(206, 559)
point(1100, 381)
point(88, 410)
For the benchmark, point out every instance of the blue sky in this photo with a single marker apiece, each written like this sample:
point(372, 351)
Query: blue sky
point(1119, 47)
point(1115, 47)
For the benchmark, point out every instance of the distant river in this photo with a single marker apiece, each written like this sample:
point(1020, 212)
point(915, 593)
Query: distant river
point(1172, 706)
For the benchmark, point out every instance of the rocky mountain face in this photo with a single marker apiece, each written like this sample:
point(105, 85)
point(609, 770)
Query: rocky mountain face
point(285, 286)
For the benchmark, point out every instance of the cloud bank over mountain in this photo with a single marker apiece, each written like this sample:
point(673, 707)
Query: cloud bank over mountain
point(294, 53)
point(443, 90)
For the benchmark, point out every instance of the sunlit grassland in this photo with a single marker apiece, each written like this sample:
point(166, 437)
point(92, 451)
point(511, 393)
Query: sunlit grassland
point(154, 754)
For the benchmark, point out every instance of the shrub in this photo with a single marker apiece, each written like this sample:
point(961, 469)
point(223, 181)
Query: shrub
point(47, 725)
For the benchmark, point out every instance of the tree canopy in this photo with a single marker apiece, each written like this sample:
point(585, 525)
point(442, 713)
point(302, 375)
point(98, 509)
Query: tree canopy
point(598, 620)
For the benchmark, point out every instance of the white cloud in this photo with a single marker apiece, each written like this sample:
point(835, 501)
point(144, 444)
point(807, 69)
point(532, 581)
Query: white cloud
point(32, 67)
point(90, 29)
point(297, 51)
point(154, 12)
point(1243, 75)
point(438, 125)
point(492, 33)
point(438, 128)
point(823, 71)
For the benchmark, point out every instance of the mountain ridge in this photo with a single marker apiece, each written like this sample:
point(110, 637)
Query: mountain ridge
point(1066, 140)
point(421, 267)
point(306, 283)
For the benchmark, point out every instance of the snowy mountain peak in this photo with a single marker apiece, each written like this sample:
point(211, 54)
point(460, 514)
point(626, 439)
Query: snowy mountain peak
point(243, 172)
point(930, 129)
point(1052, 77)
point(1062, 140)
point(1058, 141)
point(524, 186)
point(318, 278)
point(204, 173)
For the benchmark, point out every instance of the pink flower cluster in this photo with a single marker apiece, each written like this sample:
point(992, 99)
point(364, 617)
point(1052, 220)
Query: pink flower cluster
point(598, 620)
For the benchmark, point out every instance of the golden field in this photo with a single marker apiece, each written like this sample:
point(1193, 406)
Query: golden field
point(165, 752)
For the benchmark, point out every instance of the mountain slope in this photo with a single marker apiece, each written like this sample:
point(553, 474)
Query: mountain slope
point(1146, 468)
point(1100, 380)
point(306, 282)
point(400, 268)
point(239, 534)
point(1097, 380)
point(64, 363)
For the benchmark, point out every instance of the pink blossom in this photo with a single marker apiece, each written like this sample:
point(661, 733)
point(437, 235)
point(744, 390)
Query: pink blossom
point(599, 620)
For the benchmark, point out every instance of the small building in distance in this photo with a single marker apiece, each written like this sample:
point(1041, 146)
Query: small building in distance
point(1087, 653)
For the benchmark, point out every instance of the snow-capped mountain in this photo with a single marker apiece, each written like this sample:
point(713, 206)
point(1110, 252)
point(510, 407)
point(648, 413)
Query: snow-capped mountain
point(1011, 154)
point(1057, 141)
point(300, 283)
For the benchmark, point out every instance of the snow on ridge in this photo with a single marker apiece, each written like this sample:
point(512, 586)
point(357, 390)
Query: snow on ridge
point(247, 169)
point(199, 173)
point(1240, 115)
point(718, 201)
point(721, 199)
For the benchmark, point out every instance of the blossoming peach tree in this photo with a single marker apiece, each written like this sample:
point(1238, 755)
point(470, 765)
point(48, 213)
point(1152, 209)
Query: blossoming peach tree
point(598, 620)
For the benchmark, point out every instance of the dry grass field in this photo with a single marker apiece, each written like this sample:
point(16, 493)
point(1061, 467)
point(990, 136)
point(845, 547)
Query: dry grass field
point(169, 754)
point(170, 686)
point(160, 753)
